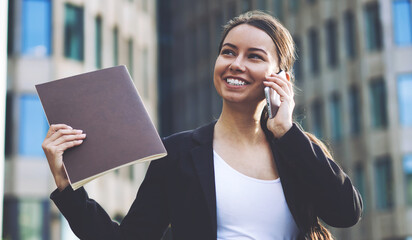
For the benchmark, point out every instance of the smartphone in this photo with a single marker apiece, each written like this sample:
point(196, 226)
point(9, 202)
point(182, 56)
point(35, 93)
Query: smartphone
point(273, 98)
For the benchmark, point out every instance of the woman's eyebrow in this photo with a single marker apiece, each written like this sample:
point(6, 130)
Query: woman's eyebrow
point(250, 49)
point(258, 49)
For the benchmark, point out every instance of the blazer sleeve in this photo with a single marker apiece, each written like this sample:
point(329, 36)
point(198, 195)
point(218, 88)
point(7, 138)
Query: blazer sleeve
point(147, 218)
point(337, 202)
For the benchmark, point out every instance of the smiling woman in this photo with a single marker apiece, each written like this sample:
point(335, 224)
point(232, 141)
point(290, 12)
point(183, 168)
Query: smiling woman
point(242, 177)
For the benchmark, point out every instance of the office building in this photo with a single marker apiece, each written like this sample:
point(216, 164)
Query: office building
point(353, 90)
point(49, 40)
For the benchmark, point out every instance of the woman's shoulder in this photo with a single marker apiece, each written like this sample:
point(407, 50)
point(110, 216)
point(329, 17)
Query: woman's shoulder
point(192, 137)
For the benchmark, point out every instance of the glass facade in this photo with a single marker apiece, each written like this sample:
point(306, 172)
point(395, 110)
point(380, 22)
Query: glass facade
point(354, 110)
point(373, 27)
point(378, 104)
point(407, 170)
point(98, 42)
point(36, 27)
point(350, 34)
point(317, 120)
point(404, 83)
point(278, 9)
point(332, 43)
point(384, 182)
point(314, 53)
point(402, 22)
point(336, 114)
point(360, 182)
point(33, 126)
point(298, 65)
point(130, 61)
point(73, 32)
point(115, 46)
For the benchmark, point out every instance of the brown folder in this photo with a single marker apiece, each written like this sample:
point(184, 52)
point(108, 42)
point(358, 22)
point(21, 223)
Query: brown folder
point(107, 107)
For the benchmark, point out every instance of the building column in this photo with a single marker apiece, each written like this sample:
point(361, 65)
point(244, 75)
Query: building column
point(3, 77)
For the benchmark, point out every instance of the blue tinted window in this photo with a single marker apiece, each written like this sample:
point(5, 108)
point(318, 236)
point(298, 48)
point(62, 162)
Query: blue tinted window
point(378, 104)
point(336, 118)
point(405, 99)
point(407, 169)
point(402, 22)
point(355, 112)
point(360, 182)
point(33, 126)
point(36, 27)
point(73, 32)
point(317, 111)
point(384, 182)
point(373, 27)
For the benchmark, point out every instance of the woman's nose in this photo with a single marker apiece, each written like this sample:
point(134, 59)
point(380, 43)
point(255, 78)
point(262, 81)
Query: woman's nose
point(237, 65)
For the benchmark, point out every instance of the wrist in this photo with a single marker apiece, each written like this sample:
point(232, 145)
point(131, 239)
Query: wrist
point(280, 130)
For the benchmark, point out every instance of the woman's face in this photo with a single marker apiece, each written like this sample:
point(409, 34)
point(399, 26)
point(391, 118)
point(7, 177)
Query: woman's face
point(248, 55)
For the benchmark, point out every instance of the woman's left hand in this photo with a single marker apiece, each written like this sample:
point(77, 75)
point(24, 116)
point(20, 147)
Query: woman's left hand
point(282, 121)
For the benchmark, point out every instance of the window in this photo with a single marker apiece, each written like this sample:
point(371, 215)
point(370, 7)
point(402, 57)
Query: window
point(115, 46)
point(350, 34)
point(8, 147)
point(378, 104)
point(354, 109)
point(10, 28)
point(73, 32)
point(293, 6)
point(36, 27)
point(98, 41)
point(130, 60)
point(407, 169)
point(405, 99)
point(383, 176)
point(218, 28)
point(145, 64)
point(314, 51)
point(373, 27)
point(332, 43)
point(402, 22)
point(360, 182)
point(336, 111)
point(317, 120)
point(298, 67)
point(261, 4)
point(33, 126)
point(246, 5)
point(278, 9)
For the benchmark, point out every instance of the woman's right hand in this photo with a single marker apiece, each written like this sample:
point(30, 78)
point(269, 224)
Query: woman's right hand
point(59, 138)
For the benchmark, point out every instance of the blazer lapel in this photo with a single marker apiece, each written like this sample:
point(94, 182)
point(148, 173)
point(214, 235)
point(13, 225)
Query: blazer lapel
point(202, 156)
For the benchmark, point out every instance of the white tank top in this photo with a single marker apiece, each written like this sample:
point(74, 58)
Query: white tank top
point(250, 208)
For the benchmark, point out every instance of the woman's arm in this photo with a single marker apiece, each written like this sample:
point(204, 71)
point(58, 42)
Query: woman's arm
point(147, 218)
point(336, 200)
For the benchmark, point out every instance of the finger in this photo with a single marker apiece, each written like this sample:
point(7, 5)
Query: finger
point(284, 83)
point(68, 138)
point(283, 94)
point(66, 145)
point(62, 132)
point(55, 127)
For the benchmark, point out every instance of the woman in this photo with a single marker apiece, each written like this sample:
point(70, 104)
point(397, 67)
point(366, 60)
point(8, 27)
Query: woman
point(242, 177)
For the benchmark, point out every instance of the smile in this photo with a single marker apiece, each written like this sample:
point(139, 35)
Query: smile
point(235, 82)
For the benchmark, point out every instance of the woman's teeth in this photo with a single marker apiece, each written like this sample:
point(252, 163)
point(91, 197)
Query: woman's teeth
point(235, 82)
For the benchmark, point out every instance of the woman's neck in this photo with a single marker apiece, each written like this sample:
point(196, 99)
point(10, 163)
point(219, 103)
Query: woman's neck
point(240, 123)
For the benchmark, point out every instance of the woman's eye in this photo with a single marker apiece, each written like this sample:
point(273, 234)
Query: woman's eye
point(255, 56)
point(227, 52)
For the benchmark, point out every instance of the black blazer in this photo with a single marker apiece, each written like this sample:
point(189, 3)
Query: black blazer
point(180, 190)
